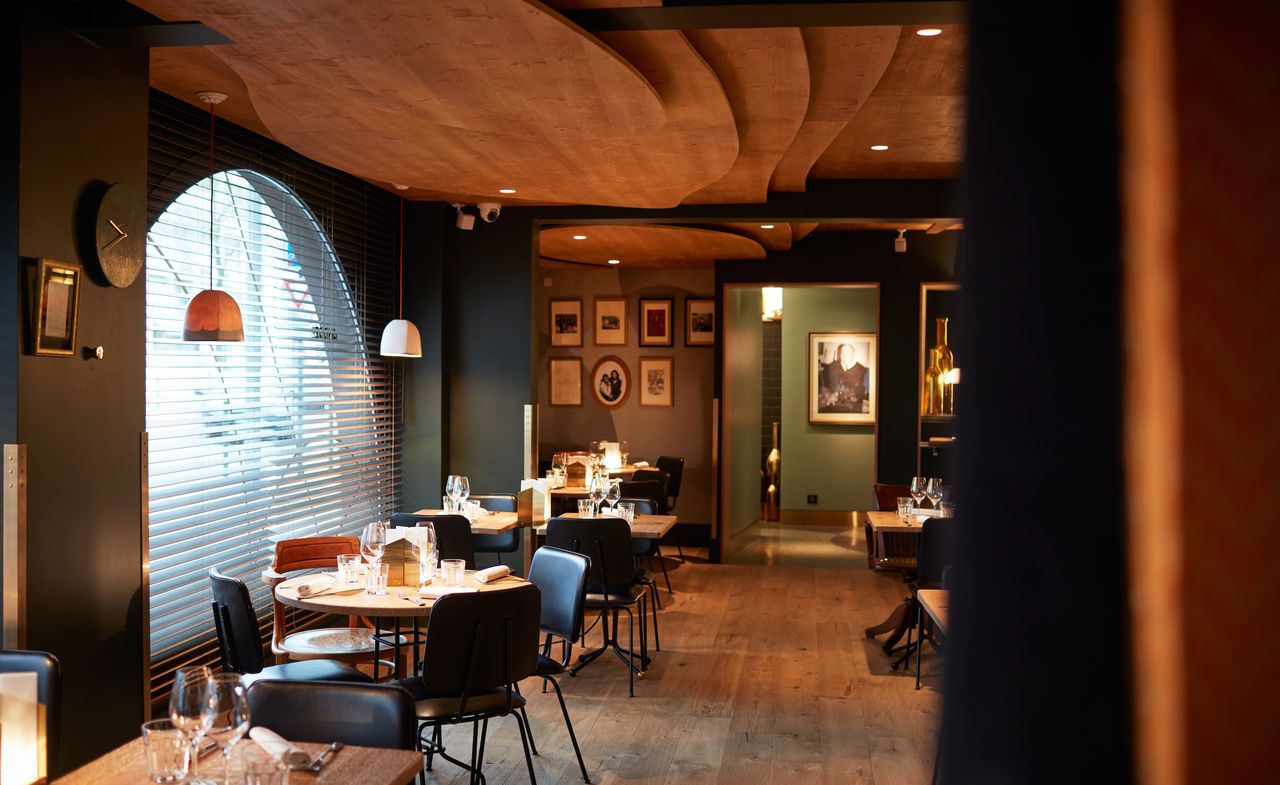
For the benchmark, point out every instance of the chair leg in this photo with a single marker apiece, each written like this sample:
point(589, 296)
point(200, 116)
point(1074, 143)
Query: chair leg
point(665, 574)
point(657, 641)
point(528, 759)
point(569, 724)
point(527, 724)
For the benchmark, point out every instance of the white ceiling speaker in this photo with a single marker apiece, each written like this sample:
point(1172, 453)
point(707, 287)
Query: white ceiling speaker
point(900, 244)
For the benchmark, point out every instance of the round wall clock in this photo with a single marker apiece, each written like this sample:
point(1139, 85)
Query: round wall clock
point(120, 235)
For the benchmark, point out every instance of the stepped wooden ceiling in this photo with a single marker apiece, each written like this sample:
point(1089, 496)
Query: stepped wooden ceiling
point(460, 99)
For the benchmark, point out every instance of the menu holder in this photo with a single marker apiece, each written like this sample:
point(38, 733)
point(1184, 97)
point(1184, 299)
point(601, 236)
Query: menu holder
point(534, 503)
point(401, 558)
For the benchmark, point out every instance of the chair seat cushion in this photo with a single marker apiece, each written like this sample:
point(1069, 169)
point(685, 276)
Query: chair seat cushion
point(446, 706)
point(307, 670)
point(547, 666)
point(616, 596)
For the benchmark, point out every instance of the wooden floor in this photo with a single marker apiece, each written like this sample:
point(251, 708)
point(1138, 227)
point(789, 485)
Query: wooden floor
point(764, 676)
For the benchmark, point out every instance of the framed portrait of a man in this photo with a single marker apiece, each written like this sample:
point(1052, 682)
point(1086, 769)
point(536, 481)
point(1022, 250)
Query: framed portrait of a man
point(610, 382)
point(842, 378)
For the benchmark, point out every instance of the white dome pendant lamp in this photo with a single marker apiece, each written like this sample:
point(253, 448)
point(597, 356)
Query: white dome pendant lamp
point(212, 315)
point(400, 337)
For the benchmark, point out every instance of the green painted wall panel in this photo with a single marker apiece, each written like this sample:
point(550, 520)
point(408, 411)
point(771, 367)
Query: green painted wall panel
point(743, 334)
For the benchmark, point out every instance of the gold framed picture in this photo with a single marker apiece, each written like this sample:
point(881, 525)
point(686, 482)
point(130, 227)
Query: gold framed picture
point(842, 378)
point(565, 381)
point(610, 382)
point(657, 381)
point(699, 321)
point(565, 322)
point(655, 321)
point(610, 321)
point(57, 308)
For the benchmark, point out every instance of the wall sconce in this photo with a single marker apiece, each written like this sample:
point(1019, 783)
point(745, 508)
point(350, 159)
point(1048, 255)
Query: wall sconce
point(771, 303)
point(22, 753)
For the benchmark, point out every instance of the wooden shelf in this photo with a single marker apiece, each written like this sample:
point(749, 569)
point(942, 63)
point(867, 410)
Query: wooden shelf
point(937, 418)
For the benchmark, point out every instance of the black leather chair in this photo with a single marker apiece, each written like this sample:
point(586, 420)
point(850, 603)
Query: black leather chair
point(366, 715)
point(934, 555)
point(659, 495)
point(674, 467)
point(611, 587)
point(507, 542)
point(453, 534)
point(240, 640)
point(48, 673)
point(561, 576)
point(642, 489)
point(479, 646)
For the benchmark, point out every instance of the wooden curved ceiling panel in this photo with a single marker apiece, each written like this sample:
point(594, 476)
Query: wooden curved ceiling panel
point(918, 109)
point(766, 75)
point(776, 239)
point(645, 245)
point(469, 97)
point(177, 70)
point(845, 64)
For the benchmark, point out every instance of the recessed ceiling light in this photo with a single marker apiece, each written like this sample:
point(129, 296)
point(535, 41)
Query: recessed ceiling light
point(766, 226)
point(400, 187)
point(579, 237)
point(506, 190)
point(878, 147)
point(929, 32)
point(615, 261)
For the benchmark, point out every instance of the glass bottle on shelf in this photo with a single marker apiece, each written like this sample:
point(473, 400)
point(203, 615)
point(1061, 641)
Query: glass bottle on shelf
point(946, 361)
point(931, 395)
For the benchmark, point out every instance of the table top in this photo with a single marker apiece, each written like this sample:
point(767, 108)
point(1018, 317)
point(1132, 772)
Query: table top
point(493, 523)
point(127, 765)
point(358, 603)
point(646, 527)
point(936, 603)
point(886, 521)
point(570, 490)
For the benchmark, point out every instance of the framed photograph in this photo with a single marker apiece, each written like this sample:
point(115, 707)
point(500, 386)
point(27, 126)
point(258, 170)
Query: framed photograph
point(611, 321)
point(57, 308)
point(610, 382)
point(566, 322)
point(657, 380)
point(655, 322)
point(565, 381)
point(842, 378)
point(699, 321)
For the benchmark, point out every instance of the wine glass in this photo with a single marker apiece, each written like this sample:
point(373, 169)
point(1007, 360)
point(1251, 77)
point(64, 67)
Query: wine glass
point(933, 489)
point(918, 485)
point(229, 715)
point(597, 490)
point(373, 541)
point(189, 712)
point(625, 449)
point(427, 554)
point(451, 491)
point(613, 495)
point(463, 487)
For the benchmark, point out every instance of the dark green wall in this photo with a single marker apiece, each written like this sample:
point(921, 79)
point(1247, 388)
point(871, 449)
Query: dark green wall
point(10, 90)
point(83, 115)
point(425, 399)
point(868, 257)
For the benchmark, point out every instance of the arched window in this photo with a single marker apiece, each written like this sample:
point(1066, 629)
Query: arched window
point(288, 434)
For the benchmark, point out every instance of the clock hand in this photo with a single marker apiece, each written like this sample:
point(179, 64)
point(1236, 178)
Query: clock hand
point(111, 244)
point(116, 226)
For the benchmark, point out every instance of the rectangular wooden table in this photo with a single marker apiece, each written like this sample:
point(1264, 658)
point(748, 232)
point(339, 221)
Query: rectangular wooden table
point(493, 523)
point(936, 603)
point(127, 765)
point(646, 527)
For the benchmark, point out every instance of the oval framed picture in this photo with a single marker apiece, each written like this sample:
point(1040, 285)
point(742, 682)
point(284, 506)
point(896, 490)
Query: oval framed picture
point(610, 382)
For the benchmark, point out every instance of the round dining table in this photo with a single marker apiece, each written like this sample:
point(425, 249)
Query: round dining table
point(357, 602)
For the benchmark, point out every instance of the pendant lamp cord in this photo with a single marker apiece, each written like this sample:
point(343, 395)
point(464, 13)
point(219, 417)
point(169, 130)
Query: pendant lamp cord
point(402, 257)
point(211, 171)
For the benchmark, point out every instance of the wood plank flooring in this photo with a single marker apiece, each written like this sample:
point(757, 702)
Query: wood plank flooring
point(764, 677)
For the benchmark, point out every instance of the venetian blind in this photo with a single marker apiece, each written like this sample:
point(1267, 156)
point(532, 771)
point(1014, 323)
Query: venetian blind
point(295, 431)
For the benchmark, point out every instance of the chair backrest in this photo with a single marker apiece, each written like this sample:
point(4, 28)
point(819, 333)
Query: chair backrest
point(605, 541)
point(561, 576)
point(496, 502)
point(664, 485)
point(674, 467)
point(365, 715)
point(644, 489)
point(480, 642)
point(305, 553)
point(937, 550)
point(453, 534)
point(644, 505)
point(239, 641)
point(48, 673)
point(887, 494)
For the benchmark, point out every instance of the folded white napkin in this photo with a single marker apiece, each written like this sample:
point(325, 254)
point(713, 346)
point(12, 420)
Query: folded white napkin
point(278, 747)
point(436, 592)
point(640, 464)
point(308, 585)
point(492, 573)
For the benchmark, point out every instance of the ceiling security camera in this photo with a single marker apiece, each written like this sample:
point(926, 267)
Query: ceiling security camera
point(489, 211)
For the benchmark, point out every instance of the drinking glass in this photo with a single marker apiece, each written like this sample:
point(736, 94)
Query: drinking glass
point(375, 579)
point(451, 493)
point(454, 570)
point(347, 566)
point(904, 507)
point(917, 489)
point(585, 508)
point(229, 710)
point(625, 449)
point(427, 554)
point(933, 489)
point(613, 495)
point(948, 509)
point(189, 712)
point(168, 753)
point(628, 511)
point(598, 489)
point(463, 487)
point(261, 767)
point(373, 541)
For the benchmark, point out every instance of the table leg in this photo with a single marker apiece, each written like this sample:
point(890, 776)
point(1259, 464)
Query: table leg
point(919, 639)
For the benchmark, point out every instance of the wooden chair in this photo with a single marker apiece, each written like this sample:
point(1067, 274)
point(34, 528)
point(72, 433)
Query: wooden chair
point(887, 495)
point(351, 644)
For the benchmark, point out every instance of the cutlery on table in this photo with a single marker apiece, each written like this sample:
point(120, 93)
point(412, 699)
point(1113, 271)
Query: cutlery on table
point(318, 763)
point(404, 596)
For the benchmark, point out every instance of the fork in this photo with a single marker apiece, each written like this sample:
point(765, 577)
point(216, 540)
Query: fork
point(400, 593)
point(318, 763)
